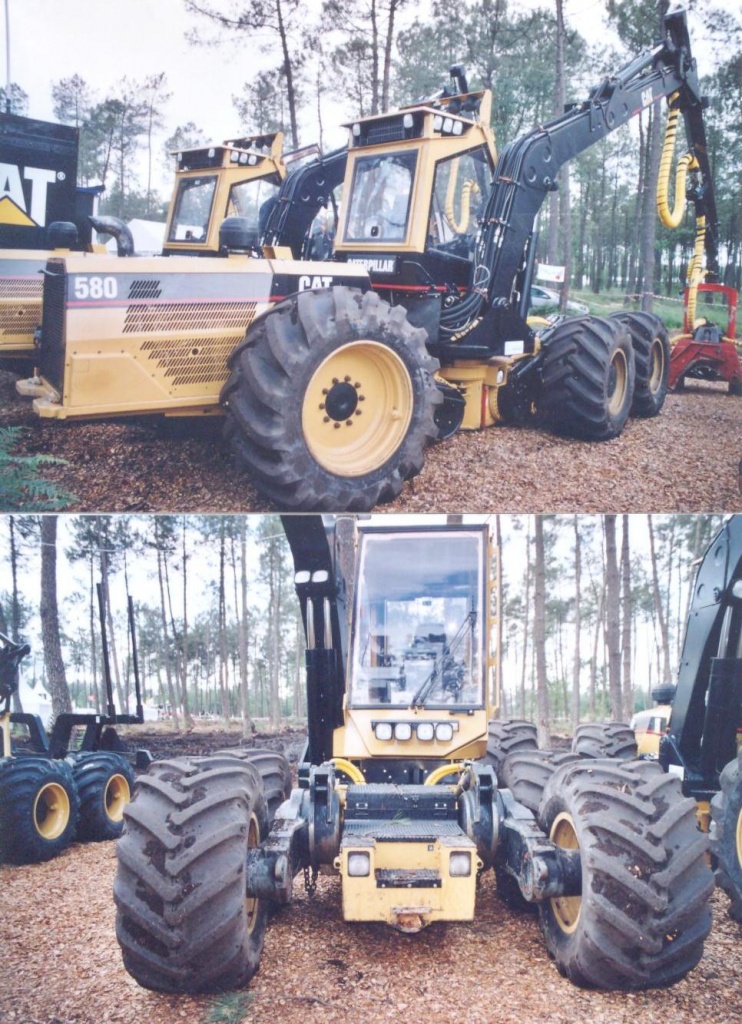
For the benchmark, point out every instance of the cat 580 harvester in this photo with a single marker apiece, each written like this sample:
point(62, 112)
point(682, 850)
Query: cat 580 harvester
point(398, 793)
point(416, 327)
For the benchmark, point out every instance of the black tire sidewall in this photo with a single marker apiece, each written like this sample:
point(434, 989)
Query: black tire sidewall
point(92, 773)
point(21, 781)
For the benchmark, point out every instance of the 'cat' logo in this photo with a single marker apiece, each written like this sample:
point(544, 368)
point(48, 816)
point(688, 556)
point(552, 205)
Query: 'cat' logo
point(306, 282)
point(13, 206)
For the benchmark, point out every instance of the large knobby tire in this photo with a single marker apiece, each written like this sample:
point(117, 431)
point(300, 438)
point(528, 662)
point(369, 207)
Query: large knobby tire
point(651, 345)
point(526, 772)
point(183, 921)
point(587, 378)
point(726, 835)
point(274, 771)
point(505, 735)
point(38, 809)
point(604, 739)
point(644, 912)
point(105, 782)
point(330, 401)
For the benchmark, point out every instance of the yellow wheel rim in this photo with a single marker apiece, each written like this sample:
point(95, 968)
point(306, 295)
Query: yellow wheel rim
point(566, 908)
point(618, 381)
point(357, 408)
point(253, 840)
point(51, 810)
point(656, 366)
point(116, 797)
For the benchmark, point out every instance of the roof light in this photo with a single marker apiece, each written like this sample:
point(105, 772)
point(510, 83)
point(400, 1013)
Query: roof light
point(383, 730)
point(458, 127)
point(252, 160)
point(356, 129)
point(234, 156)
point(425, 731)
point(408, 121)
point(437, 122)
point(403, 731)
point(448, 125)
point(212, 153)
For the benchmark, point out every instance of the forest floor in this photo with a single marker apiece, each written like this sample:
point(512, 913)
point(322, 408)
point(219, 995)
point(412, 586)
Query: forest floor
point(61, 962)
point(685, 460)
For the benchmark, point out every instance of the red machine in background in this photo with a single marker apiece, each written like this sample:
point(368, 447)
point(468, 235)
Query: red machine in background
point(704, 351)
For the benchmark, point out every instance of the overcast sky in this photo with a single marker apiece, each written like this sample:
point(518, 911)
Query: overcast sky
point(103, 40)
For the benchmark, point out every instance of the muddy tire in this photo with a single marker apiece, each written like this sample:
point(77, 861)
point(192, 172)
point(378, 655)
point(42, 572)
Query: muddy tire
point(330, 401)
point(505, 736)
point(526, 772)
point(104, 783)
point(183, 922)
point(604, 739)
point(651, 345)
point(38, 809)
point(587, 378)
point(644, 912)
point(274, 771)
point(726, 835)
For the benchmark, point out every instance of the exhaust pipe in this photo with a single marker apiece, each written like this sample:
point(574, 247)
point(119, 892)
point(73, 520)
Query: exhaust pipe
point(120, 231)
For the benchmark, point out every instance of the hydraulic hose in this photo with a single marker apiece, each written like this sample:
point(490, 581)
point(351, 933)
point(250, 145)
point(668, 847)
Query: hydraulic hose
point(353, 772)
point(454, 768)
point(696, 272)
point(468, 189)
point(671, 218)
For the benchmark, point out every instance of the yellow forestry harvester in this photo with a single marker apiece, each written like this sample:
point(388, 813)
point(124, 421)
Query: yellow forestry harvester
point(416, 327)
point(401, 793)
point(239, 178)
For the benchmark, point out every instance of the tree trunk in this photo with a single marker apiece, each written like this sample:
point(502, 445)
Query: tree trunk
point(165, 639)
point(627, 619)
point(526, 612)
point(576, 663)
point(248, 727)
point(612, 624)
point(658, 609)
point(187, 718)
point(223, 659)
point(49, 615)
point(539, 639)
point(15, 607)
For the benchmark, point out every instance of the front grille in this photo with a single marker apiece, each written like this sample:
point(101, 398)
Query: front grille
point(189, 361)
point(53, 334)
point(196, 316)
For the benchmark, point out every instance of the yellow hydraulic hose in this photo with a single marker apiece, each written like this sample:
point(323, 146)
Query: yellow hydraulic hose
point(468, 189)
point(696, 272)
point(672, 218)
point(455, 768)
point(353, 772)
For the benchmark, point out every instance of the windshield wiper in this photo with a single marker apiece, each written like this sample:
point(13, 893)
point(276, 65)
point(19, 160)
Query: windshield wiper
point(418, 701)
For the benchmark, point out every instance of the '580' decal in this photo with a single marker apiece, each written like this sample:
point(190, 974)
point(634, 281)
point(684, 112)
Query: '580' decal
point(95, 287)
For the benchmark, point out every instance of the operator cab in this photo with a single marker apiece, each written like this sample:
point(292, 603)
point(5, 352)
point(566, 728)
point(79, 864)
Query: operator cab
point(417, 182)
point(240, 178)
point(418, 682)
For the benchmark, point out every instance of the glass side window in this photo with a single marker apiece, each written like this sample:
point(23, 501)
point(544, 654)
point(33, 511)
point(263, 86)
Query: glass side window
point(460, 190)
point(254, 200)
point(192, 209)
point(380, 198)
point(418, 631)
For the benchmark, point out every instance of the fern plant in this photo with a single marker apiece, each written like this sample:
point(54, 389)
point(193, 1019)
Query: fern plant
point(22, 488)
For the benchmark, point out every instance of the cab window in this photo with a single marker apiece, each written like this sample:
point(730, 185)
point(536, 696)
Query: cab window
point(193, 204)
point(460, 190)
point(380, 198)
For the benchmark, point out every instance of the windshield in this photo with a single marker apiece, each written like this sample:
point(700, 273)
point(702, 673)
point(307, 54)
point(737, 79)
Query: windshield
point(380, 198)
point(254, 200)
point(419, 619)
point(192, 209)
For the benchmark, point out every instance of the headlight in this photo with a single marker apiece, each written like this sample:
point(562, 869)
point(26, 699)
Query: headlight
point(459, 865)
point(402, 731)
point(444, 732)
point(383, 730)
point(425, 731)
point(359, 864)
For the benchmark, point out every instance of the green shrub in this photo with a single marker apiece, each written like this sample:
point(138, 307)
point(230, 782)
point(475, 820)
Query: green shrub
point(22, 488)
